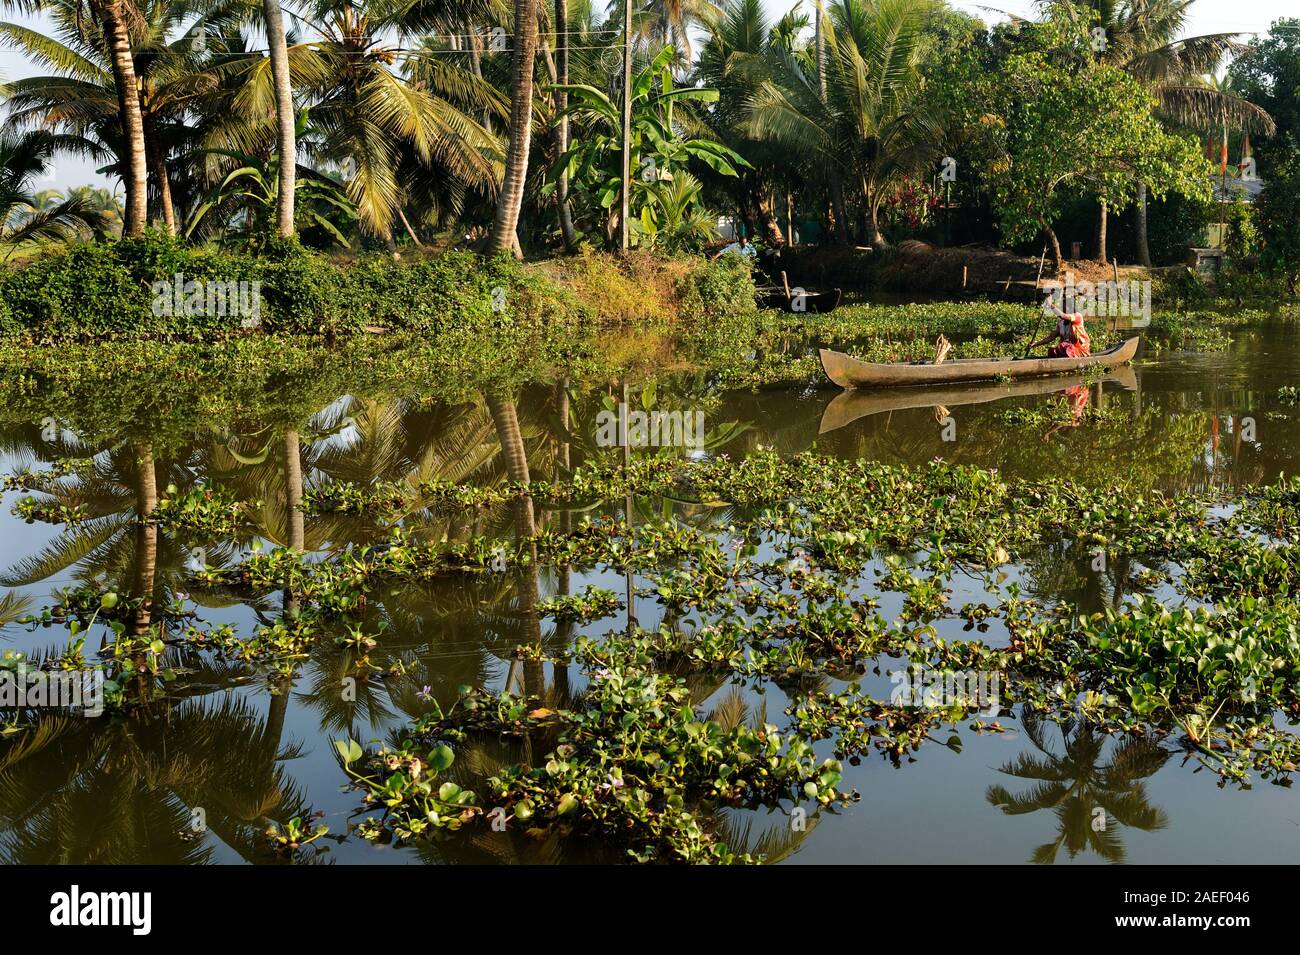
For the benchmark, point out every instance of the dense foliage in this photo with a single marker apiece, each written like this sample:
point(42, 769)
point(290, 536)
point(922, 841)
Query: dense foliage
point(855, 122)
point(154, 287)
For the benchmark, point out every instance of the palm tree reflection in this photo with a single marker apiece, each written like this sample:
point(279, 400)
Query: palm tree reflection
point(1091, 801)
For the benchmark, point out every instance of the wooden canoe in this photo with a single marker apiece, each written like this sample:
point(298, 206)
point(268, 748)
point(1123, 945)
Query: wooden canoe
point(849, 372)
point(820, 303)
point(848, 406)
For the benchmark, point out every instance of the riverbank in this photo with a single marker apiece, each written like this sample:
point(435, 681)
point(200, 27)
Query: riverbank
point(158, 288)
point(916, 269)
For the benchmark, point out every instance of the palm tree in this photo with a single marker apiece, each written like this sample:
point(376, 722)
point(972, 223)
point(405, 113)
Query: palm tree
point(875, 124)
point(82, 99)
point(122, 791)
point(373, 121)
point(510, 200)
point(103, 202)
point(112, 16)
point(1142, 39)
point(668, 23)
point(24, 217)
point(734, 60)
point(117, 541)
point(286, 119)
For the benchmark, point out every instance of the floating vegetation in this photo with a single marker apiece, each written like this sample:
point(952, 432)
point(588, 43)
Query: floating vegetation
point(784, 598)
point(592, 604)
point(1192, 331)
point(293, 835)
point(1062, 412)
point(676, 659)
point(203, 511)
point(33, 509)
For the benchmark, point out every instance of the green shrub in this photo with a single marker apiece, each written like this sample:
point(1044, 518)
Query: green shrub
point(8, 324)
point(1242, 239)
point(1179, 288)
point(717, 289)
point(142, 288)
point(1241, 285)
point(1277, 210)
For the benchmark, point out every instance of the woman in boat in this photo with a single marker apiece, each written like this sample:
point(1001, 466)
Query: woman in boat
point(1070, 336)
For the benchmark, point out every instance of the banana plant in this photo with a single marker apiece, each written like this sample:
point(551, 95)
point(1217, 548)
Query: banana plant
point(256, 183)
point(661, 145)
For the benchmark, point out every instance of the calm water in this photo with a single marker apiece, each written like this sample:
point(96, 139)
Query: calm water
point(224, 745)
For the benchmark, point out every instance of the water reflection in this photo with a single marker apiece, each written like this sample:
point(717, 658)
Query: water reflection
point(849, 406)
point(249, 748)
point(1093, 786)
point(120, 792)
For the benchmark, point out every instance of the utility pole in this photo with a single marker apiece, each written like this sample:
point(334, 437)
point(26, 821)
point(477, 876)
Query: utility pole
point(627, 123)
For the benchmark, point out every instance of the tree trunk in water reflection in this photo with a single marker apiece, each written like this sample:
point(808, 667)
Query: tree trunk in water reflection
point(295, 532)
point(506, 419)
point(146, 549)
point(293, 491)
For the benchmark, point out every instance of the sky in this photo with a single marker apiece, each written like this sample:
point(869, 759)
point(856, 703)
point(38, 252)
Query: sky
point(1205, 16)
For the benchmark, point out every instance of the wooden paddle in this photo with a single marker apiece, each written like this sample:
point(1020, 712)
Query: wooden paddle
point(1042, 260)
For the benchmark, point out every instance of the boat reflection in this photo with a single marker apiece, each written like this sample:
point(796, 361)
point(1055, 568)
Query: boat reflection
point(849, 406)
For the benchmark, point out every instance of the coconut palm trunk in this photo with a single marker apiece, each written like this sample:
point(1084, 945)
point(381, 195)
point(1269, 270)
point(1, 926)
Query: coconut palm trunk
point(820, 47)
point(871, 219)
point(505, 417)
point(295, 529)
point(567, 231)
point(111, 15)
point(409, 231)
point(287, 144)
point(158, 165)
point(511, 198)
